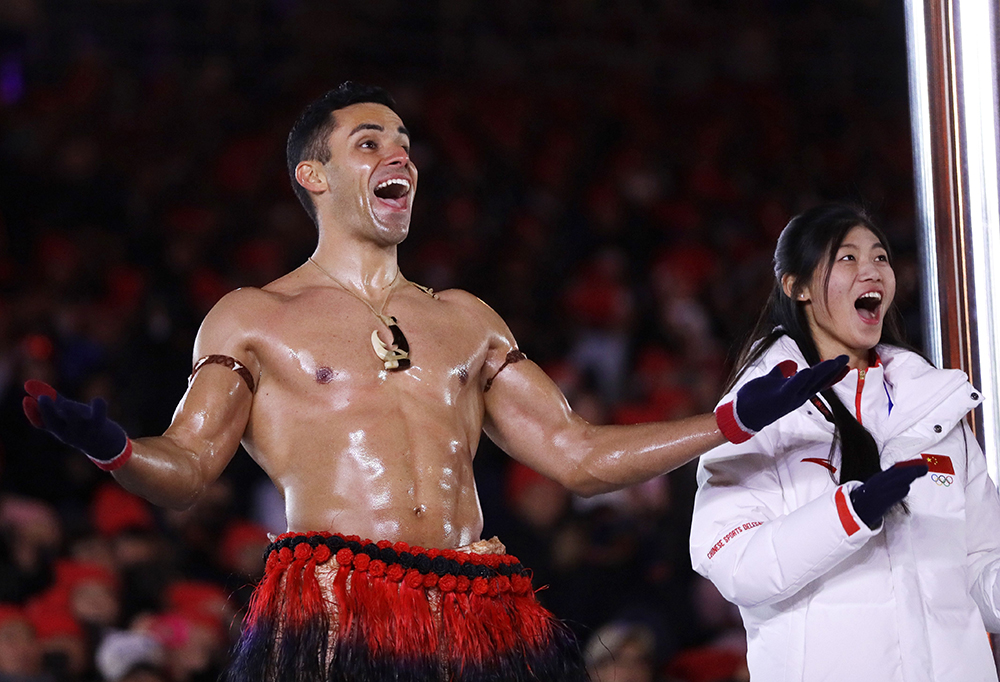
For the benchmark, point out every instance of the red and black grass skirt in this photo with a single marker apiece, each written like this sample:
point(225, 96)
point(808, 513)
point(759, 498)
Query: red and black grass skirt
point(335, 608)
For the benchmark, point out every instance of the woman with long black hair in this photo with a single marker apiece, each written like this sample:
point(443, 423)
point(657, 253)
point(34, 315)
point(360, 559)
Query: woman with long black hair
point(859, 535)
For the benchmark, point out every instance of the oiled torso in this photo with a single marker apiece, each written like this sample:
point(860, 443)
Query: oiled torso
point(355, 448)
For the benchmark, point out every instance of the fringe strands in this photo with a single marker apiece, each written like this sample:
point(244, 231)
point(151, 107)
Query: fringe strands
point(398, 613)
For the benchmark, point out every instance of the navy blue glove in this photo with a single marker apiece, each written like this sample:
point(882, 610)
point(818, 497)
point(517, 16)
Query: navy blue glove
point(770, 397)
point(874, 497)
point(84, 427)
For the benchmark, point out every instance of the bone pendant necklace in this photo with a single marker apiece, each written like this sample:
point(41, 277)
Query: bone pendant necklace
point(396, 356)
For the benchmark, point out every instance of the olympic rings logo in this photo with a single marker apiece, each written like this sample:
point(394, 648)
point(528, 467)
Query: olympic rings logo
point(942, 479)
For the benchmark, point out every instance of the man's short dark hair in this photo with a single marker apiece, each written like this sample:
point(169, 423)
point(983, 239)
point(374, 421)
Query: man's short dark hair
point(308, 138)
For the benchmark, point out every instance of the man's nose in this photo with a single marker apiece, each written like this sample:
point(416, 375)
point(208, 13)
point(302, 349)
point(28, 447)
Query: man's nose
point(398, 155)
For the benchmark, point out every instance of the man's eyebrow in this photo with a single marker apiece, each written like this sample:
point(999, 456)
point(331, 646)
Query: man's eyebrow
point(376, 126)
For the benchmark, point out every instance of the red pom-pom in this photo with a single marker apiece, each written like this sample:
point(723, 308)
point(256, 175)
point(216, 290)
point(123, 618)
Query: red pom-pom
point(417, 550)
point(461, 558)
point(413, 579)
point(449, 554)
point(430, 580)
point(344, 556)
point(353, 538)
point(492, 560)
point(447, 583)
point(303, 551)
point(362, 562)
point(383, 544)
point(272, 562)
point(395, 573)
point(321, 554)
point(401, 547)
point(462, 584)
point(376, 569)
point(520, 584)
point(285, 556)
point(433, 553)
point(480, 586)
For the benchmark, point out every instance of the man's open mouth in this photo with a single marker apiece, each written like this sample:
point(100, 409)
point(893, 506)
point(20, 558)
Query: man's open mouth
point(394, 188)
point(868, 305)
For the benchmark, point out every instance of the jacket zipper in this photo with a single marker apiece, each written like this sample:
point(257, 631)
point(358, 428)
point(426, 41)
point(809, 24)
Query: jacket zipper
point(857, 398)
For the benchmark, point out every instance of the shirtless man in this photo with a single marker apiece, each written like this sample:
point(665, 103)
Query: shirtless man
point(363, 397)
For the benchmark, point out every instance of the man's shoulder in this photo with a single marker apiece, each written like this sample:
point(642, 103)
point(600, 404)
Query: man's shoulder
point(472, 313)
point(243, 303)
point(468, 302)
point(236, 317)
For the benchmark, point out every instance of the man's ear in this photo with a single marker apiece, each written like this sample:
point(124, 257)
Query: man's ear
point(788, 286)
point(311, 176)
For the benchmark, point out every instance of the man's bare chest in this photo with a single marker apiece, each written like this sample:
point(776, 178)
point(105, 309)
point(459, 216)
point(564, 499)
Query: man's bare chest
point(341, 342)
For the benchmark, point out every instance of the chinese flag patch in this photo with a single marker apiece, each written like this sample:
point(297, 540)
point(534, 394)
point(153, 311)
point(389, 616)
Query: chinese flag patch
point(939, 464)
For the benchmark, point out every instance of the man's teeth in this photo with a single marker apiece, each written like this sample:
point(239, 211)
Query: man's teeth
point(394, 181)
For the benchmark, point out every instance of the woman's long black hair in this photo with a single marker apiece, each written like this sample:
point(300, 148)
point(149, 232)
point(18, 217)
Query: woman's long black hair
point(809, 239)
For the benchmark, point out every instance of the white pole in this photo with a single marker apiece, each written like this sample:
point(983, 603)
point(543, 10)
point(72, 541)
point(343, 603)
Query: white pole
point(956, 140)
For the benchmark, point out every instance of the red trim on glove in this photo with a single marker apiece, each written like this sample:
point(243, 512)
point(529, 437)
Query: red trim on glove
point(844, 512)
point(35, 388)
point(115, 462)
point(788, 368)
point(725, 417)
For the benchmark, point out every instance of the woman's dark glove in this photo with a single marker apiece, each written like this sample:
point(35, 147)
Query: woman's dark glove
point(874, 497)
point(770, 397)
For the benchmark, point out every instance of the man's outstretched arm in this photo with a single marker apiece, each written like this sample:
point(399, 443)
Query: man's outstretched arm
point(173, 470)
point(530, 419)
point(170, 470)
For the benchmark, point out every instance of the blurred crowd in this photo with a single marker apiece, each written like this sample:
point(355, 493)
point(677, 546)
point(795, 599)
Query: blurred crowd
point(609, 175)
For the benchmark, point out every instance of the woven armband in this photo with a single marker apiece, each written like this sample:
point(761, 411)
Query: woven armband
point(513, 356)
point(229, 362)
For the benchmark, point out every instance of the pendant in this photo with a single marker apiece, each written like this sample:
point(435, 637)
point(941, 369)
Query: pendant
point(396, 357)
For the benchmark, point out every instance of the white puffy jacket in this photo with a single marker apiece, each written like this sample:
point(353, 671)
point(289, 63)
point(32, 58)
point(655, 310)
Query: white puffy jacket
point(822, 596)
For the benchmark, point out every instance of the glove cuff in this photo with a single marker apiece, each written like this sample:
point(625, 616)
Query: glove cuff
point(729, 423)
point(115, 462)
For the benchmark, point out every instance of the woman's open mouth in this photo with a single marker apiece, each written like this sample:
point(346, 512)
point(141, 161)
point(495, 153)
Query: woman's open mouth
point(869, 307)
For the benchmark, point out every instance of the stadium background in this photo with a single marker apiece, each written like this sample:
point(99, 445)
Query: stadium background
point(609, 175)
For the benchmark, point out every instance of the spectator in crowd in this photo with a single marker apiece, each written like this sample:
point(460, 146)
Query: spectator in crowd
point(622, 652)
point(20, 656)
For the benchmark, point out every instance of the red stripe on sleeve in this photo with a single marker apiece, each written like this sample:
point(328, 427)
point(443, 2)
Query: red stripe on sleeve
point(844, 511)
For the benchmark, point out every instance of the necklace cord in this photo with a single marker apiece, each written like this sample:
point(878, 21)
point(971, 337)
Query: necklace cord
point(380, 314)
point(396, 357)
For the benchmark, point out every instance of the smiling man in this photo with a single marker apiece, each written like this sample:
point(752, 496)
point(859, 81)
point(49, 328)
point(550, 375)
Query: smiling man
point(363, 397)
